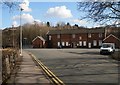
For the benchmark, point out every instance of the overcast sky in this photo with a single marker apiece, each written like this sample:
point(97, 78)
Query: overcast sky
point(52, 12)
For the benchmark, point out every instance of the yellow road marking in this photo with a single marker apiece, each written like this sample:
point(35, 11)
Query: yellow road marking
point(54, 78)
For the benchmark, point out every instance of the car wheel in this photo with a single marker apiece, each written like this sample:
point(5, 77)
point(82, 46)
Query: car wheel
point(101, 53)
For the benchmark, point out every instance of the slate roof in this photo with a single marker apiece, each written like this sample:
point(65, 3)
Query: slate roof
point(75, 31)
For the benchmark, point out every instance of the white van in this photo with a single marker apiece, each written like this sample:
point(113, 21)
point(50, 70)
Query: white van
point(107, 48)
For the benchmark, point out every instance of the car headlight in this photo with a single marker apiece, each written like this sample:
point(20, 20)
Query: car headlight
point(110, 50)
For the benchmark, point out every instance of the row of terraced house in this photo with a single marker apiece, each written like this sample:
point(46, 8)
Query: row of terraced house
point(75, 38)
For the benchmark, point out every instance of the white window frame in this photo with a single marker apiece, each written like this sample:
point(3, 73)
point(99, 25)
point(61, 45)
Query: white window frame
point(58, 36)
point(77, 44)
point(50, 37)
point(100, 42)
point(94, 42)
point(67, 44)
point(58, 43)
point(80, 38)
point(84, 43)
point(100, 34)
point(80, 43)
point(73, 35)
point(63, 43)
point(89, 35)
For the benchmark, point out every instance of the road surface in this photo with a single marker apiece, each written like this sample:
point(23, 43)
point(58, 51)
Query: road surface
point(79, 65)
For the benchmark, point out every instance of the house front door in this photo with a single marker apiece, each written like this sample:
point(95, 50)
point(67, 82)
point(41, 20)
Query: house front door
point(73, 45)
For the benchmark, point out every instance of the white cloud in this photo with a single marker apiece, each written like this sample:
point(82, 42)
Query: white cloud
point(26, 18)
point(15, 24)
point(61, 12)
point(37, 20)
point(25, 6)
point(78, 21)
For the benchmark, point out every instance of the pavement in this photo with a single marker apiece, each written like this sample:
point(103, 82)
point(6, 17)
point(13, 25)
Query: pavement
point(29, 73)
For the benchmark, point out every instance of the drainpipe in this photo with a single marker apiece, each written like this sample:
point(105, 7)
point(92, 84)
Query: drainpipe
point(60, 39)
point(105, 32)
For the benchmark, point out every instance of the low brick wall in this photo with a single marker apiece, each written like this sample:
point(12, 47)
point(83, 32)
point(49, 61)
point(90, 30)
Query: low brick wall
point(10, 61)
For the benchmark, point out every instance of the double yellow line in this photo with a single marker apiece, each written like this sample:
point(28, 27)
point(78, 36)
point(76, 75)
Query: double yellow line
point(52, 76)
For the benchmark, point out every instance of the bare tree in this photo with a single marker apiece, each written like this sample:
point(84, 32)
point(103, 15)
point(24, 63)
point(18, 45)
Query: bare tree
point(11, 4)
point(101, 11)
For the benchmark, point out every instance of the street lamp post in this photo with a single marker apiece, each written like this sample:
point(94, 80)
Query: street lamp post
point(20, 32)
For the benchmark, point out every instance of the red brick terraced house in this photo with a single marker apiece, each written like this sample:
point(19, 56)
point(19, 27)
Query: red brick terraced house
point(75, 38)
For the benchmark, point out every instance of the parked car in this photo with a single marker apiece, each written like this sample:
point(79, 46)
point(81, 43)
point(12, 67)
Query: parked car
point(107, 48)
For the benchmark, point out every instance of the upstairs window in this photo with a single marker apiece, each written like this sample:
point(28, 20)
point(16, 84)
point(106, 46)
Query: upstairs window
point(58, 36)
point(89, 35)
point(100, 34)
point(80, 38)
point(49, 37)
point(73, 35)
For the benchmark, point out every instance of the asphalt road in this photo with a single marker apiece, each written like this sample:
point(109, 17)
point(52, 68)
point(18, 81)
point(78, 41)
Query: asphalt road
point(79, 65)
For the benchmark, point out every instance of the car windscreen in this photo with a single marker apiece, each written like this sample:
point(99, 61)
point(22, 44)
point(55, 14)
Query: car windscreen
point(106, 45)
